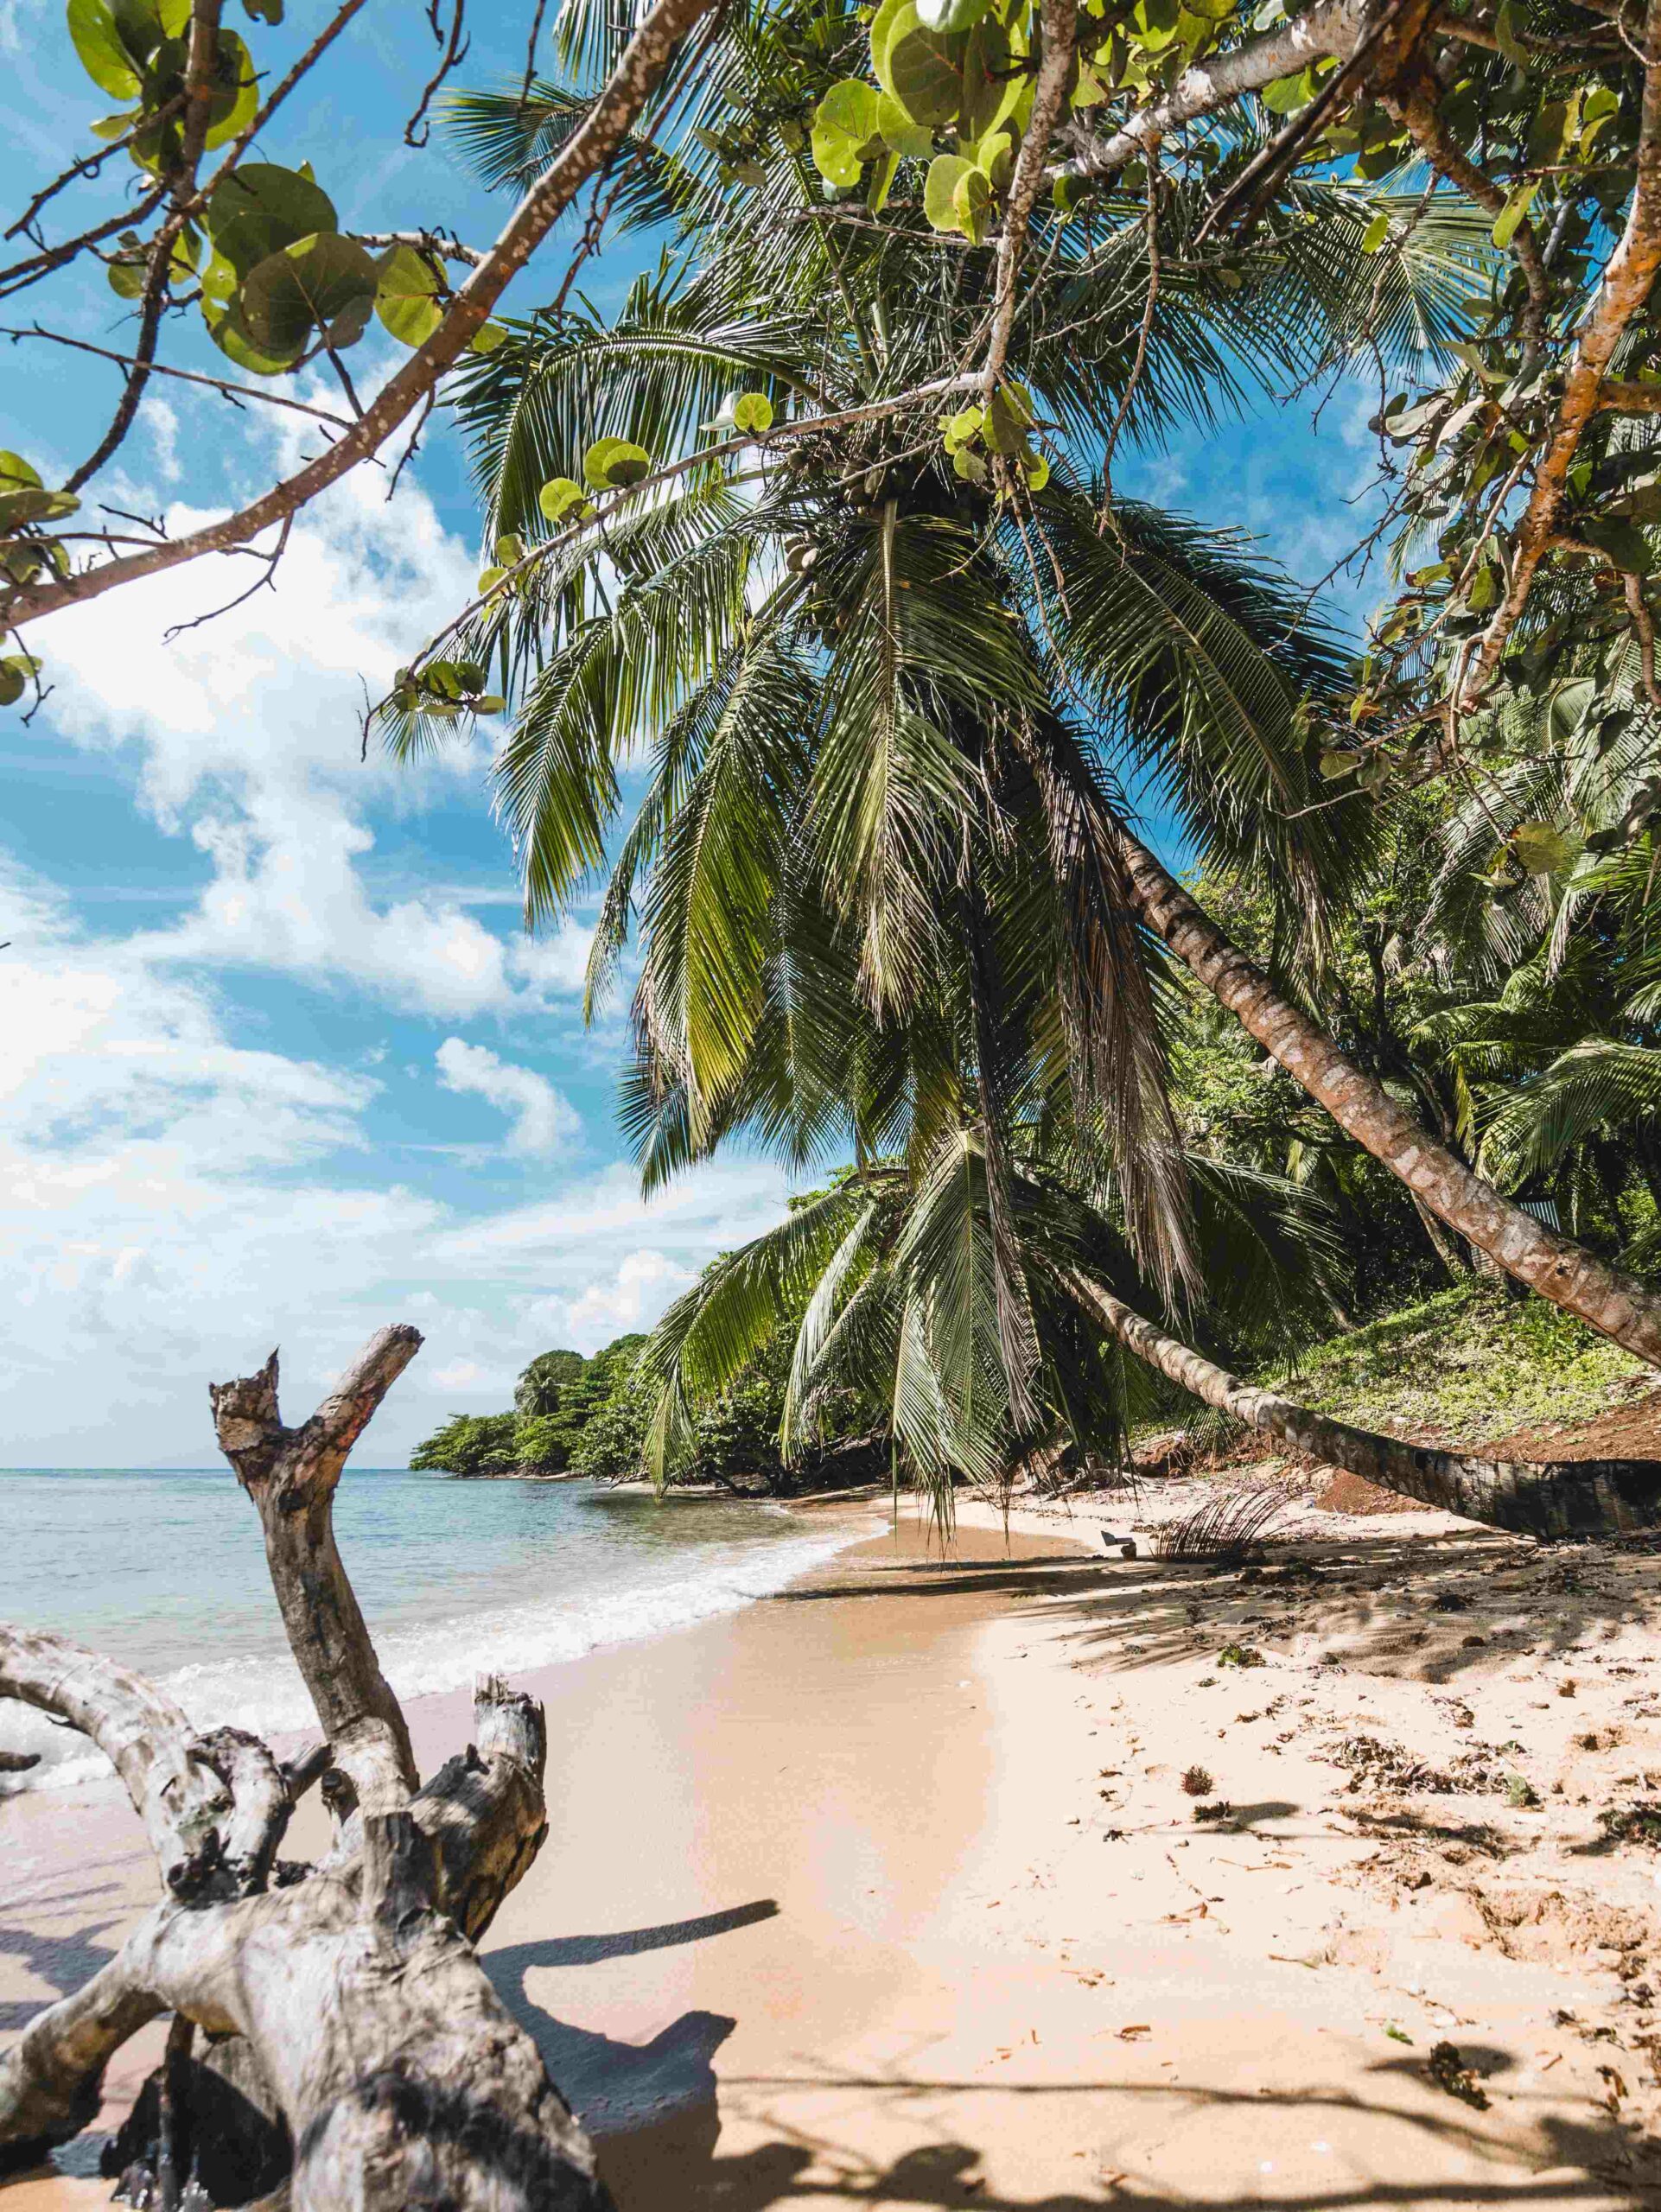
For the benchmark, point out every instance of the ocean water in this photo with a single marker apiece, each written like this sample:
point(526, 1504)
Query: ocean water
point(166, 1573)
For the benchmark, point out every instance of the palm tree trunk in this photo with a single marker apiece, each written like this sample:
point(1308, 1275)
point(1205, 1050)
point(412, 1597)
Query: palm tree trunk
point(1582, 1497)
point(1606, 1299)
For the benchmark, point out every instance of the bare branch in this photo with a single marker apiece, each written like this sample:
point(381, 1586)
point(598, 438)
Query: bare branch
point(1331, 26)
point(238, 392)
point(1627, 277)
point(1625, 399)
point(199, 63)
point(433, 242)
point(291, 1475)
point(1059, 25)
point(143, 1734)
point(602, 130)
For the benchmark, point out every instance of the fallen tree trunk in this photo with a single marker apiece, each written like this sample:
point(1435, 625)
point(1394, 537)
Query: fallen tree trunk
point(1561, 1497)
point(357, 2056)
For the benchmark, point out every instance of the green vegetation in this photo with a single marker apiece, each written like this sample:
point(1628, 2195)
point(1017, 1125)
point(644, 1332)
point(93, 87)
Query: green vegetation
point(559, 1396)
point(1467, 1364)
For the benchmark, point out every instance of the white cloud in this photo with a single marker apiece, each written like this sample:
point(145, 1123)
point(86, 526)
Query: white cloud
point(172, 1203)
point(633, 1298)
point(248, 729)
point(558, 964)
point(544, 1120)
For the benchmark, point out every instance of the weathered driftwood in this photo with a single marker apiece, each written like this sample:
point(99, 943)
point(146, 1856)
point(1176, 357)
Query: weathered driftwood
point(1561, 1497)
point(336, 2046)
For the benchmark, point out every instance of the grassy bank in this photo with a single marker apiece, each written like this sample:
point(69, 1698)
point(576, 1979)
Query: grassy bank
point(1469, 1364)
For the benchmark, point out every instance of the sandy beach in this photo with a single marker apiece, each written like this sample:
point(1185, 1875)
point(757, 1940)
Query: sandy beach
point(888, 1891)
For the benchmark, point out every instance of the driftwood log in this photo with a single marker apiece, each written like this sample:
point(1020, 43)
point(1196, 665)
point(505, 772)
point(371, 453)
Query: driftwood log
point(335, 2045)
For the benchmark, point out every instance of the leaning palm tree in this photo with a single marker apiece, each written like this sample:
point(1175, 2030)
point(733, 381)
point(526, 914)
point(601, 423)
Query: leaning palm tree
point(887, 633)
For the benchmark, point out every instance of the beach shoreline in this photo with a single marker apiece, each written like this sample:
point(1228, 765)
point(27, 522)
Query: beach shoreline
point(885, 1890)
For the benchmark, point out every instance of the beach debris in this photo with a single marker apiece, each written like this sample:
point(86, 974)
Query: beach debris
point(1136, 2028)
point(1197, 1781)
point(1240, 1655)
point(1375, 1764)
point(1639, 1822)
point(1125, 1545)
point(1445, 2067)
point(1396, 2034)
point(1221, 1810)
point(1226, 1528)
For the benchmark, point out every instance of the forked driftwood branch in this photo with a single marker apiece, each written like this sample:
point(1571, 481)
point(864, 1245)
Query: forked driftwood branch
point(350, 2051)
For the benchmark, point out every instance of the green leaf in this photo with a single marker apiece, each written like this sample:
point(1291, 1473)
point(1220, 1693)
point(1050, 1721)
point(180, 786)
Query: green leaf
point(1515, 207)
point(924, 79)
point(406, 297)
point(325, 283)
point(14, 681)
point(125, 272)
point(491, 704)
point(101, 51)
point(972, 201)
point(1038, 473)
point(16, 473)
point(847, 130)
point(236, 90)
point(968, 465)
point(1541, 849)
point(489, 578)
point(949, 16)
point(1286, 95)
point(1625, 546)
point(230, 336)
point(958, 429)
point(487, 337)
point(991, 87)
point(260, 208)
point(1376, 234)
point(510, 549)
point(610, 463)
point(1504, 32)
point(753, 410)
point(1334, 764)
point(900, 134)
point(270, 11)
point(940, 188)
point(559, 496)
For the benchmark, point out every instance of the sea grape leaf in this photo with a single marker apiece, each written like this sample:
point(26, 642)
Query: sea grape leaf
point(101, 50)
point(610, 463)
point(560, 496)
point(406, 297)
point(326, 283)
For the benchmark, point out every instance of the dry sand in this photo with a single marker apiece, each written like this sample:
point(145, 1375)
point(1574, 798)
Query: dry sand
point(887, 1892)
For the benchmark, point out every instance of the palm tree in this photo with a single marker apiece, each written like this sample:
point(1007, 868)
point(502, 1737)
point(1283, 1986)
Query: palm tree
point(911, 661)
point(887, 1282)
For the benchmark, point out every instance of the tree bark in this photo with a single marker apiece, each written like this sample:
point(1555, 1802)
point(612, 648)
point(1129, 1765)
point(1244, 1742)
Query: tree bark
point(1557, 1498)
point(353, 2038)
point(1606, 1298)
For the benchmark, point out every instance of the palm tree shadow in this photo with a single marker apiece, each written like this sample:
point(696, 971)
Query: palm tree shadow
point(650, 2107)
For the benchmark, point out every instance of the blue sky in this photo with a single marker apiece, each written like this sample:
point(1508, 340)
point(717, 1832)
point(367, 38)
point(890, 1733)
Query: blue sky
point(280, 1064)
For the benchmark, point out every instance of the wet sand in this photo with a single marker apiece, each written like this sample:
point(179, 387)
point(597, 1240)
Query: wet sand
point(887, 1891)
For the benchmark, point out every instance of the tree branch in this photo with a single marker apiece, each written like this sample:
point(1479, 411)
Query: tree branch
point(291, 1475)
point(1628, 279)
point(1331, 26)
point(143, 1734)
point(1061, 27)
point(602, 130)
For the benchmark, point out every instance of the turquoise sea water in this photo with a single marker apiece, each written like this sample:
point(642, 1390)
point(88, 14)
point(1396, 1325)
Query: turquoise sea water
point(166, 1571)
